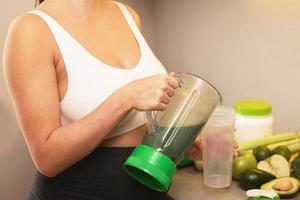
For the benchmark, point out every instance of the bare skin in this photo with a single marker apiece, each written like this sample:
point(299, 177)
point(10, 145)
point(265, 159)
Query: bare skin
point(37, 81)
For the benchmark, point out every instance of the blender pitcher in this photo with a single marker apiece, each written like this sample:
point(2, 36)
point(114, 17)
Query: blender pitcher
point(172, 132)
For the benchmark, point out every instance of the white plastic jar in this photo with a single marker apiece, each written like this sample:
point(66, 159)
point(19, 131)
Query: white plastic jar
point(253, 120)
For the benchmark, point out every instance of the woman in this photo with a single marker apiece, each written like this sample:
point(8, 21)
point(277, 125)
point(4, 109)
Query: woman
point(79, 73)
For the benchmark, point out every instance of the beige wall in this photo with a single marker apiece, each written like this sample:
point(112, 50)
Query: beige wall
point(16, 168)
point(246, 48)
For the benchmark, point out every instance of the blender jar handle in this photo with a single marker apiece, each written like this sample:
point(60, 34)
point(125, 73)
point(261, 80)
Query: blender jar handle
point(151, 121)
point(150, 115)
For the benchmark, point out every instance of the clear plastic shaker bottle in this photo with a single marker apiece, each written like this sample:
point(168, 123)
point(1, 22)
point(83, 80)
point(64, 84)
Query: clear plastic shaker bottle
point(218, 137)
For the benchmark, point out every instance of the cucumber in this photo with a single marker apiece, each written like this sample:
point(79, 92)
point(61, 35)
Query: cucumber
point(253, 179)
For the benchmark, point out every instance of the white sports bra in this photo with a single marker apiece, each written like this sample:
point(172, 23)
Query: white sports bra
point(90, 81)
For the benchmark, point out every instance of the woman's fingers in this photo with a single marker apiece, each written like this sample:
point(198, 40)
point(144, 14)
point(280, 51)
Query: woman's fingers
point(165, 99)
point(195, 152)
point(198, 144)
point(235, 145)
point(192, 150)
point(235, 153)
point(160, 106)
point(169, 91)
point(173, 82)
point(153, 92)
point(235, 149)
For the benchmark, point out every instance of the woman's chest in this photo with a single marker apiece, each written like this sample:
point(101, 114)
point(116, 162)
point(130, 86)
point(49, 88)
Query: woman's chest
point(84, 84)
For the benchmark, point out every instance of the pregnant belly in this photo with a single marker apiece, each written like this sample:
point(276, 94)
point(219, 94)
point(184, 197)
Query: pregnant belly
point(129, 139)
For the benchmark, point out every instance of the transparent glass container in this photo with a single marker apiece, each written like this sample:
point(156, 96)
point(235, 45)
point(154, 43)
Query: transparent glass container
point(172, 132)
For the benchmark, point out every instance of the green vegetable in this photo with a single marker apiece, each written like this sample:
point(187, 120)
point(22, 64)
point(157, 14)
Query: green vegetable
point(294, 147)
point(296, 166)
point(285, 187)
point(284, 143)
point(242, 164)
point(248, 145)
point(253, 179)
point(261, 152)
point(292, 158)
point(284, 151)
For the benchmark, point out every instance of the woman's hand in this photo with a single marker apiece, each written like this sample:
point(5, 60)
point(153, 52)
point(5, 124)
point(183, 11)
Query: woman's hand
point(195, 152)
point(150, 93)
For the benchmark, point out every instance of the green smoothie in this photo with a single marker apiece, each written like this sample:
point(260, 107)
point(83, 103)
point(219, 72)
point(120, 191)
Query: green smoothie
point(174, 142)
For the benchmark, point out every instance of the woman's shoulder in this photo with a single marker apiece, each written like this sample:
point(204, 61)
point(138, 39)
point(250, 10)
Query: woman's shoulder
point(28, 32)
point(26, 42)
point(134, 15)
point(27, 25)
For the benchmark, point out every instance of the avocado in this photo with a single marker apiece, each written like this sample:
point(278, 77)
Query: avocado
point(261, 152)
point(296, 166)
point(285, 187)
point(284, 151)
point(253, 179)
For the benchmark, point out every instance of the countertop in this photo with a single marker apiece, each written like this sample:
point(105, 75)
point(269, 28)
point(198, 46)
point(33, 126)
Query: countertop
point(188, 185)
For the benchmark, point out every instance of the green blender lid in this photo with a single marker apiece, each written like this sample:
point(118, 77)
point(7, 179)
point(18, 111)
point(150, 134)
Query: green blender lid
point(151, 168)
point(253, 108)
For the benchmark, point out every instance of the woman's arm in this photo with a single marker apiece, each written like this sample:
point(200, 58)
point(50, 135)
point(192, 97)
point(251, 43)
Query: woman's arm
point(30, 72)
point(29, 66)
